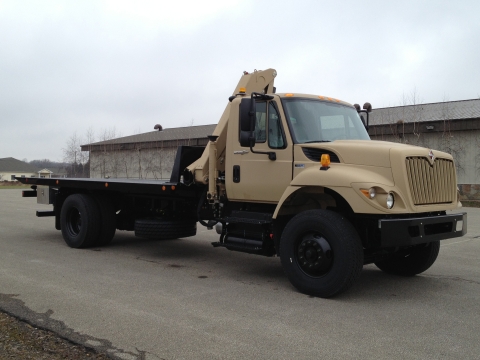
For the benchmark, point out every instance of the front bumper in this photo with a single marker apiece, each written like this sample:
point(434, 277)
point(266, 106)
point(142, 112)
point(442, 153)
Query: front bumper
point(413, 231)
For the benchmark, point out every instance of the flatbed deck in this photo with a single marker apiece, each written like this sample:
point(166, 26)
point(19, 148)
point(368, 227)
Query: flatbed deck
point(131, 186)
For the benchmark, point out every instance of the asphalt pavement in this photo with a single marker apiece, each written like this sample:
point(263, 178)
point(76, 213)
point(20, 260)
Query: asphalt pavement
point(184, 299)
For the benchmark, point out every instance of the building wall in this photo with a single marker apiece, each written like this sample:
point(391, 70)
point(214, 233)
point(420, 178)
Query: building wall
point(155, 163)
point(7, 176)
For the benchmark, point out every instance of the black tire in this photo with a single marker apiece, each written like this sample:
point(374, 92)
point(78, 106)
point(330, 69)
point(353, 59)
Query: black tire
point(108, 223)
point(162, 229)
point(80, 221)
point(411, 261)
point(321, 253)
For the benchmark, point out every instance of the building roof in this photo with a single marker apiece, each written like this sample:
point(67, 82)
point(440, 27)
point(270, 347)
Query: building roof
point(14, 165)
point(449, 110)
point(181, 133)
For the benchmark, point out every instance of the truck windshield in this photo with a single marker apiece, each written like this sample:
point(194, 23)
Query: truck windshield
point(320, 121)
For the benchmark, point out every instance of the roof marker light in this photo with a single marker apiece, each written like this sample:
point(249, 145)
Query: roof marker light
point(242, 90)
point(288, 95)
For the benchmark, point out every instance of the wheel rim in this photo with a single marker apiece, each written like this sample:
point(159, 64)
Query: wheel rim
point(314, 255)
point(74, 221)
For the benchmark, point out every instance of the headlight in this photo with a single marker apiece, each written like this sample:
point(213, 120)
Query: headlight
point(390, 200)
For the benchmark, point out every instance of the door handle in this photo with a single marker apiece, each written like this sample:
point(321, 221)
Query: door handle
point(236, 173)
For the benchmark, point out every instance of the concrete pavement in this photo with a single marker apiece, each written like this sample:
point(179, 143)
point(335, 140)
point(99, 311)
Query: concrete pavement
point(184, 299)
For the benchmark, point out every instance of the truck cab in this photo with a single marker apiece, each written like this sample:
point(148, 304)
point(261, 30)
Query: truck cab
point(291, 172)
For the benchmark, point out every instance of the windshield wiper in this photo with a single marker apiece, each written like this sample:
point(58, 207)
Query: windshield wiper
point(314, 141)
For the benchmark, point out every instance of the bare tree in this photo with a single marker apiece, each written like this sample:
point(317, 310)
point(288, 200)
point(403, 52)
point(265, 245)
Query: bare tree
point(450, 142)
point(103, 163)
point(477, 156)
point(72, 154)
point(416, 114)
point(411, 112)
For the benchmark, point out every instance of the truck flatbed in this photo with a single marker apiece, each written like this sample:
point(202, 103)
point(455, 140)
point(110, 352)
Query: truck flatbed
point(132, 186)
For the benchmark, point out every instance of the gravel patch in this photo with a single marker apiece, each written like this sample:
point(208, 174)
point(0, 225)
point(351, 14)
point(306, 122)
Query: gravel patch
point(19, 340)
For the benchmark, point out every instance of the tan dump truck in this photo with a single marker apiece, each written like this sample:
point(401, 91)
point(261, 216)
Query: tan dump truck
point(291, 175)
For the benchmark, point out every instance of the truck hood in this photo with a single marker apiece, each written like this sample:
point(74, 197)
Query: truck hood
point(363, 152)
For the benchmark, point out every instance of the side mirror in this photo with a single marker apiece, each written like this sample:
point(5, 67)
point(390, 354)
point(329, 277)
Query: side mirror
point(363, 120)
point(245, 138)
point(247, 122)
point(247, 113)
point(367, 108)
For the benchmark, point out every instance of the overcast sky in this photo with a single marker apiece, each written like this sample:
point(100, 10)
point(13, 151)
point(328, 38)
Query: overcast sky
point(67, 66)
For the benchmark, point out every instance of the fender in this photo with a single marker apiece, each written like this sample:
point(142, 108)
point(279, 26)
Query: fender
point(338, 178)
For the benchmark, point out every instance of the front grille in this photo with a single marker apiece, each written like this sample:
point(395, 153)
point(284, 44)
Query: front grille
point(315, 154)
point(431, 184)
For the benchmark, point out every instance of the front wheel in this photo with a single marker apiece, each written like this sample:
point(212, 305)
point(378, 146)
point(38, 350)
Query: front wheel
point(410, 261)
point(321, 253)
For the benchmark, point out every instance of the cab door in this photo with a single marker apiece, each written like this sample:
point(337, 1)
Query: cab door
point(255, 177)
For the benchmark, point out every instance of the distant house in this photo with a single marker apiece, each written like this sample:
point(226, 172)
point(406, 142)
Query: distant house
point(58, 172)
point(11, 168)
point(45, 173)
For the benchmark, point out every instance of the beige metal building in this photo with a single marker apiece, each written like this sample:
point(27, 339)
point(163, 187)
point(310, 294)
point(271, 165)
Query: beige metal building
point(144, 156)
point(453, 127)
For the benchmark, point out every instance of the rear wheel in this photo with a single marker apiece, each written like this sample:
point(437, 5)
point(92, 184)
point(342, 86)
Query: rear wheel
point(79, 219)
point(163, 229)
point(321, 253)
point(411, 261)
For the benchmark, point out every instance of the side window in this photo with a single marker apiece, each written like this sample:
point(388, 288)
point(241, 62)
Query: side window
point(275, 134)
point(261, 122)
point(268, 122)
